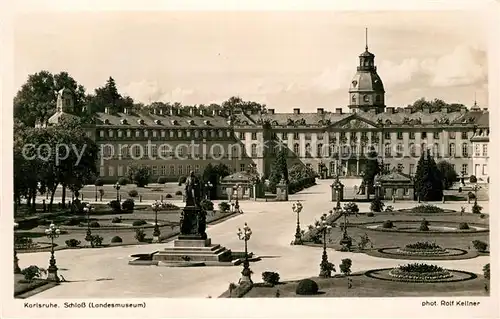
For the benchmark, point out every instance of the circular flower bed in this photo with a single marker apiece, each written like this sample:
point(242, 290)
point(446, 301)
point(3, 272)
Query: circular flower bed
point(420, 272)
point(423, 248)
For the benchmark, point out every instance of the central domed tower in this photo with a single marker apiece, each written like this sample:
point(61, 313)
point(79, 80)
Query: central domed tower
point(366, 91)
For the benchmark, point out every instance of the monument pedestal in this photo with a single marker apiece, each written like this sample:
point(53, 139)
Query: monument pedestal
point(193, 250)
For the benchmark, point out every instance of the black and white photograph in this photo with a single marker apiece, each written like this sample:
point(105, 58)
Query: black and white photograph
point(323, 155)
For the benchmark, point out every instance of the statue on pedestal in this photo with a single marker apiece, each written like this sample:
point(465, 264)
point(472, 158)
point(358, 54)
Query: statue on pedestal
point(193, 217)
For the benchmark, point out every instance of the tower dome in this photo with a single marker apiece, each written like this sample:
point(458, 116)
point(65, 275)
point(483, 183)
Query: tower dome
point(366, 90)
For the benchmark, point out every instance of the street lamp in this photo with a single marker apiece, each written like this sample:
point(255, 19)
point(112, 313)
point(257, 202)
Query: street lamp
point(377, 187)
point(117, 187)
point(88, 209)
point(17, 270)
point(245, 236)
point(475, 188)
point(156, 206)
point(297, 208)
point(52, 232)
point(208, 186)
point(322, 227)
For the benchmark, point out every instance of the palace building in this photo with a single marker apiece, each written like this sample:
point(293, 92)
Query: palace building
point(173, 141)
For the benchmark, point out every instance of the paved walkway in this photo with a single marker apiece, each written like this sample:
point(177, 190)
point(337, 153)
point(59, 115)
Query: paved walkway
point(104, 273)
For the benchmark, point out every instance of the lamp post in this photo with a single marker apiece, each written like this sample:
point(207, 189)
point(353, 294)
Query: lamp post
point(156, 206)
point(17, 270)
point(323, 228)
point(377, 186)
point(95, 193)
point(52, 232)
point(208, 186)
point(117, 187)
point(88, 209)
point(245, 236)
point(297, 208)
point(475, 188)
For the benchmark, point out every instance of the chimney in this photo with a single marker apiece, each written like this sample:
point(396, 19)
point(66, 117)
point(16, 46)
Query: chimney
point(389, 110)
point(338, 110)
point(296, 111)
point(485, 109)
point(426, 110)
point(270, 111)
point(106, 110)
point(320, 110)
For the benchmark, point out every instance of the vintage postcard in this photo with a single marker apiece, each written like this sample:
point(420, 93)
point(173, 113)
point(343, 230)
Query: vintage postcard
point(329, 161)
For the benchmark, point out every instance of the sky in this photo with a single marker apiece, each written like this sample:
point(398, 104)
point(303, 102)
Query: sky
point(282, 59)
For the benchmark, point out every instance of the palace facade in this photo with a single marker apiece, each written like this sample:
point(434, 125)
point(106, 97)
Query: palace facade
point(172, 142)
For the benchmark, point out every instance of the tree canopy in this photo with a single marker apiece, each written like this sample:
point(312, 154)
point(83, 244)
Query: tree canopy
point(435, 105)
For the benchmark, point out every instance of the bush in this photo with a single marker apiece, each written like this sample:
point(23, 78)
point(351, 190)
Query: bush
point(486, 271)
point(115, 206)
point(140, 235)
point(133, 193)
point(96, 240)
point(32, 272)
point(471, 195)
point(98, 182)
point(271, 277)
point(476, 209)
point(388, 224)
point(162, 180)
point(473, 179)
point(377, 205)
point(116, 239)
point(345, 266)
point(72, 242)
point(207, 204)
point(116, 220)
point(463, 226)
point(424, 226)
point(178, 193)
point(307, 287)
point(427, 209)
point(460, 189)
point(128, 205)
point(370, 214)
point(123, 181)
point(482, 216)
point(170, 206)
point(224, 207)
point(73, 221)
point(168, 196)
point(182, 180)
point(479, 245)
point(94, 224)
point(139, 222)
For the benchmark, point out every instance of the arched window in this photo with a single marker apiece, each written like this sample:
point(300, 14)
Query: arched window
point(308, 150)
point(423, 148)
point(254, 150)
point(399, 150)
point(387, 149)
point(319, 151)
point(296, 149)
point(465, 150)
point(412, 150)
point(452, 149)
point(435, 150)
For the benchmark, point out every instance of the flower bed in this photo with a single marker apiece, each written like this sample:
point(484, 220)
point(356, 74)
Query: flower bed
point(420, 272)
point(423, 248)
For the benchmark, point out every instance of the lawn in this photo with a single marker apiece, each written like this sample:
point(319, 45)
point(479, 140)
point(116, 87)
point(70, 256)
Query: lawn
point(363, 286)
point(22, 286)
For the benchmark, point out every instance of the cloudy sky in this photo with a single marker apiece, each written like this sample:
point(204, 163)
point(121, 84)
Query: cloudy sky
point(282, 59)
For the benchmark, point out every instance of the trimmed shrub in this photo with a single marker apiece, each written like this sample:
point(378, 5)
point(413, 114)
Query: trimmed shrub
point(471, 195)
point(182, 180)
point(139, 222)
point(73, 221)
point(224, 207)
point(427, 209)
point(123, 181)
point(178, 193)
point(486, 271)
point(96, 240)
point(460, 189)
point(133, 193)
point(168, 196)
point(98, 182)
point(170, 206)
point(116, 220)
point(463, 226)
point(473, 179)
point(307, 287)
point(345, 266)
point(207, 204)
point(482, 216)
point(116, 239)
point(424, 226)
point(162, 180)
point(370, 214)
point(140, 235)
point(388, 224)
point(32, 272)
point(476, 209)
point(377, 205)
point(115, 206)
point(271, 277)
point(128, 205)
point(94, 224)
point(72, 242)
point(479, 245)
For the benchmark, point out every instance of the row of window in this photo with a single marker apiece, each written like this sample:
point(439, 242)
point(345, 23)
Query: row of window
point(162, 170)
point(478, 148)
point(165, 133)
point(364, 135)
point(167, 151)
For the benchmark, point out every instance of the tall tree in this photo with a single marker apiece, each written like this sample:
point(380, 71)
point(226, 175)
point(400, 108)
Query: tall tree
point(108, 96)
point(372, 169)
point(279, 169)
point(448, 173)
point(428, 182)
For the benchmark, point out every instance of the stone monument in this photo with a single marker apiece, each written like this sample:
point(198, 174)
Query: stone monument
point(282, 190)
point(193, 244)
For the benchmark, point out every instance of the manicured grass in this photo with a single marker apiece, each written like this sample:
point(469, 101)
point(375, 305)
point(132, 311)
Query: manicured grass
point(363, 286)
point(22, 286)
